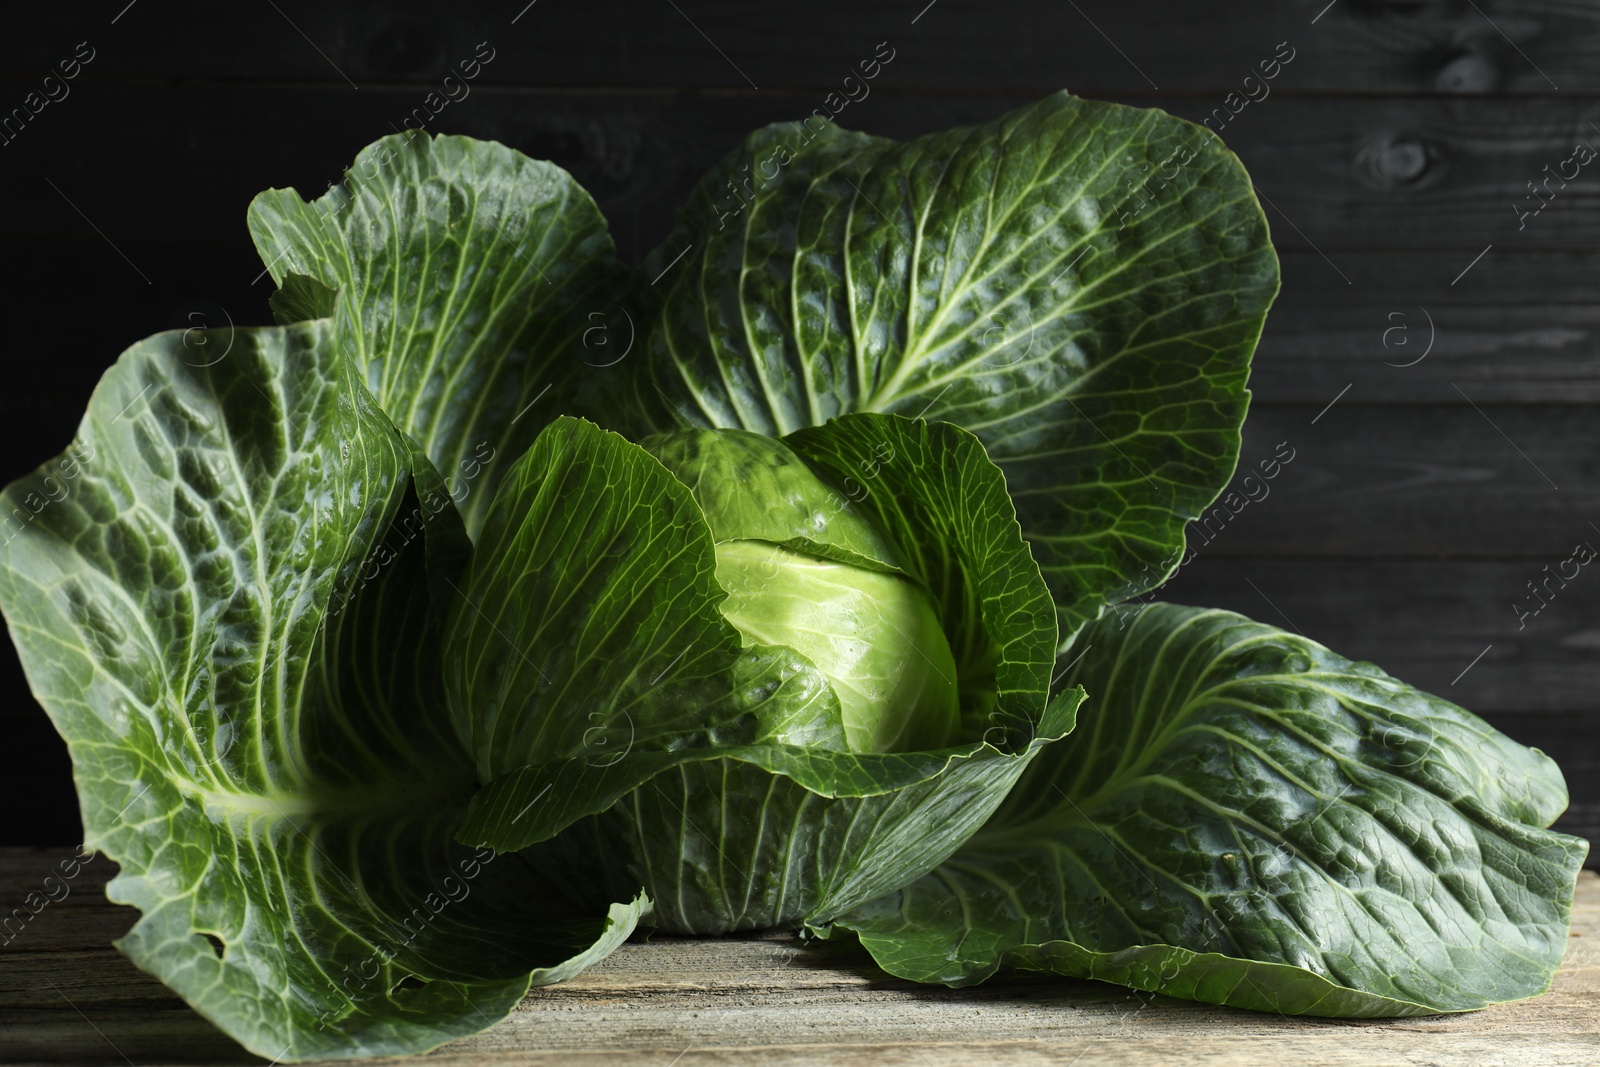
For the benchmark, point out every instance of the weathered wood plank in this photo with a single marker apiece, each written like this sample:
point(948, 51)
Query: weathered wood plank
point(1527, 331)
point(53, 900)
point(1495, 481)
point(1093, 45)
point(1424, 621)
point(36, 777)
point(1424, 173)
point(1516, 327)
point(769, 1000)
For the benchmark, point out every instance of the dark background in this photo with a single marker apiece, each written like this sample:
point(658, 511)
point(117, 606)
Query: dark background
point(1393, 155)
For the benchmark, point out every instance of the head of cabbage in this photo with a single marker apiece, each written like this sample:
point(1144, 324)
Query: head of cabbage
point(803, 569)
point(855, 673)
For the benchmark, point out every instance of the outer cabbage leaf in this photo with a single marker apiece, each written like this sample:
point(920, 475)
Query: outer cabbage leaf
point(300, 298)
point(754, 837)
point(660, 774)
point(469, 270)
point(225, 595)
point(1080, 284)
point(588, 619)
point(1250, 819)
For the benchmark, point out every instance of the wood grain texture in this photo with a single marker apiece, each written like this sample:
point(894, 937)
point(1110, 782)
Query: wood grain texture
point(1495, 481)
point(1336, 175)
point(1524, 331)
point(1423, 621)
point(67, 997)
point(1096, 46)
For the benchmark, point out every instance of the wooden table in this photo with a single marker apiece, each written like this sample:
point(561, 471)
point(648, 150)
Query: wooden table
point(66, 996)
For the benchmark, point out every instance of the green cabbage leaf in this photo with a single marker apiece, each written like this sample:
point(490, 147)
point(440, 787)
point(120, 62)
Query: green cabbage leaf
point(500, 599)
point(233, 615)
point(1247, 818)
point(621, 719)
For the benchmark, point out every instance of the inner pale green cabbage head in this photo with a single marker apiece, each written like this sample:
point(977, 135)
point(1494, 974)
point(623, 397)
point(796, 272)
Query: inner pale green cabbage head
point(874, 635)
point(805, 566)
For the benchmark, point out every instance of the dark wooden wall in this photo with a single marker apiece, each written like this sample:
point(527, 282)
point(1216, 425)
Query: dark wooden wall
point(1394, 154)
